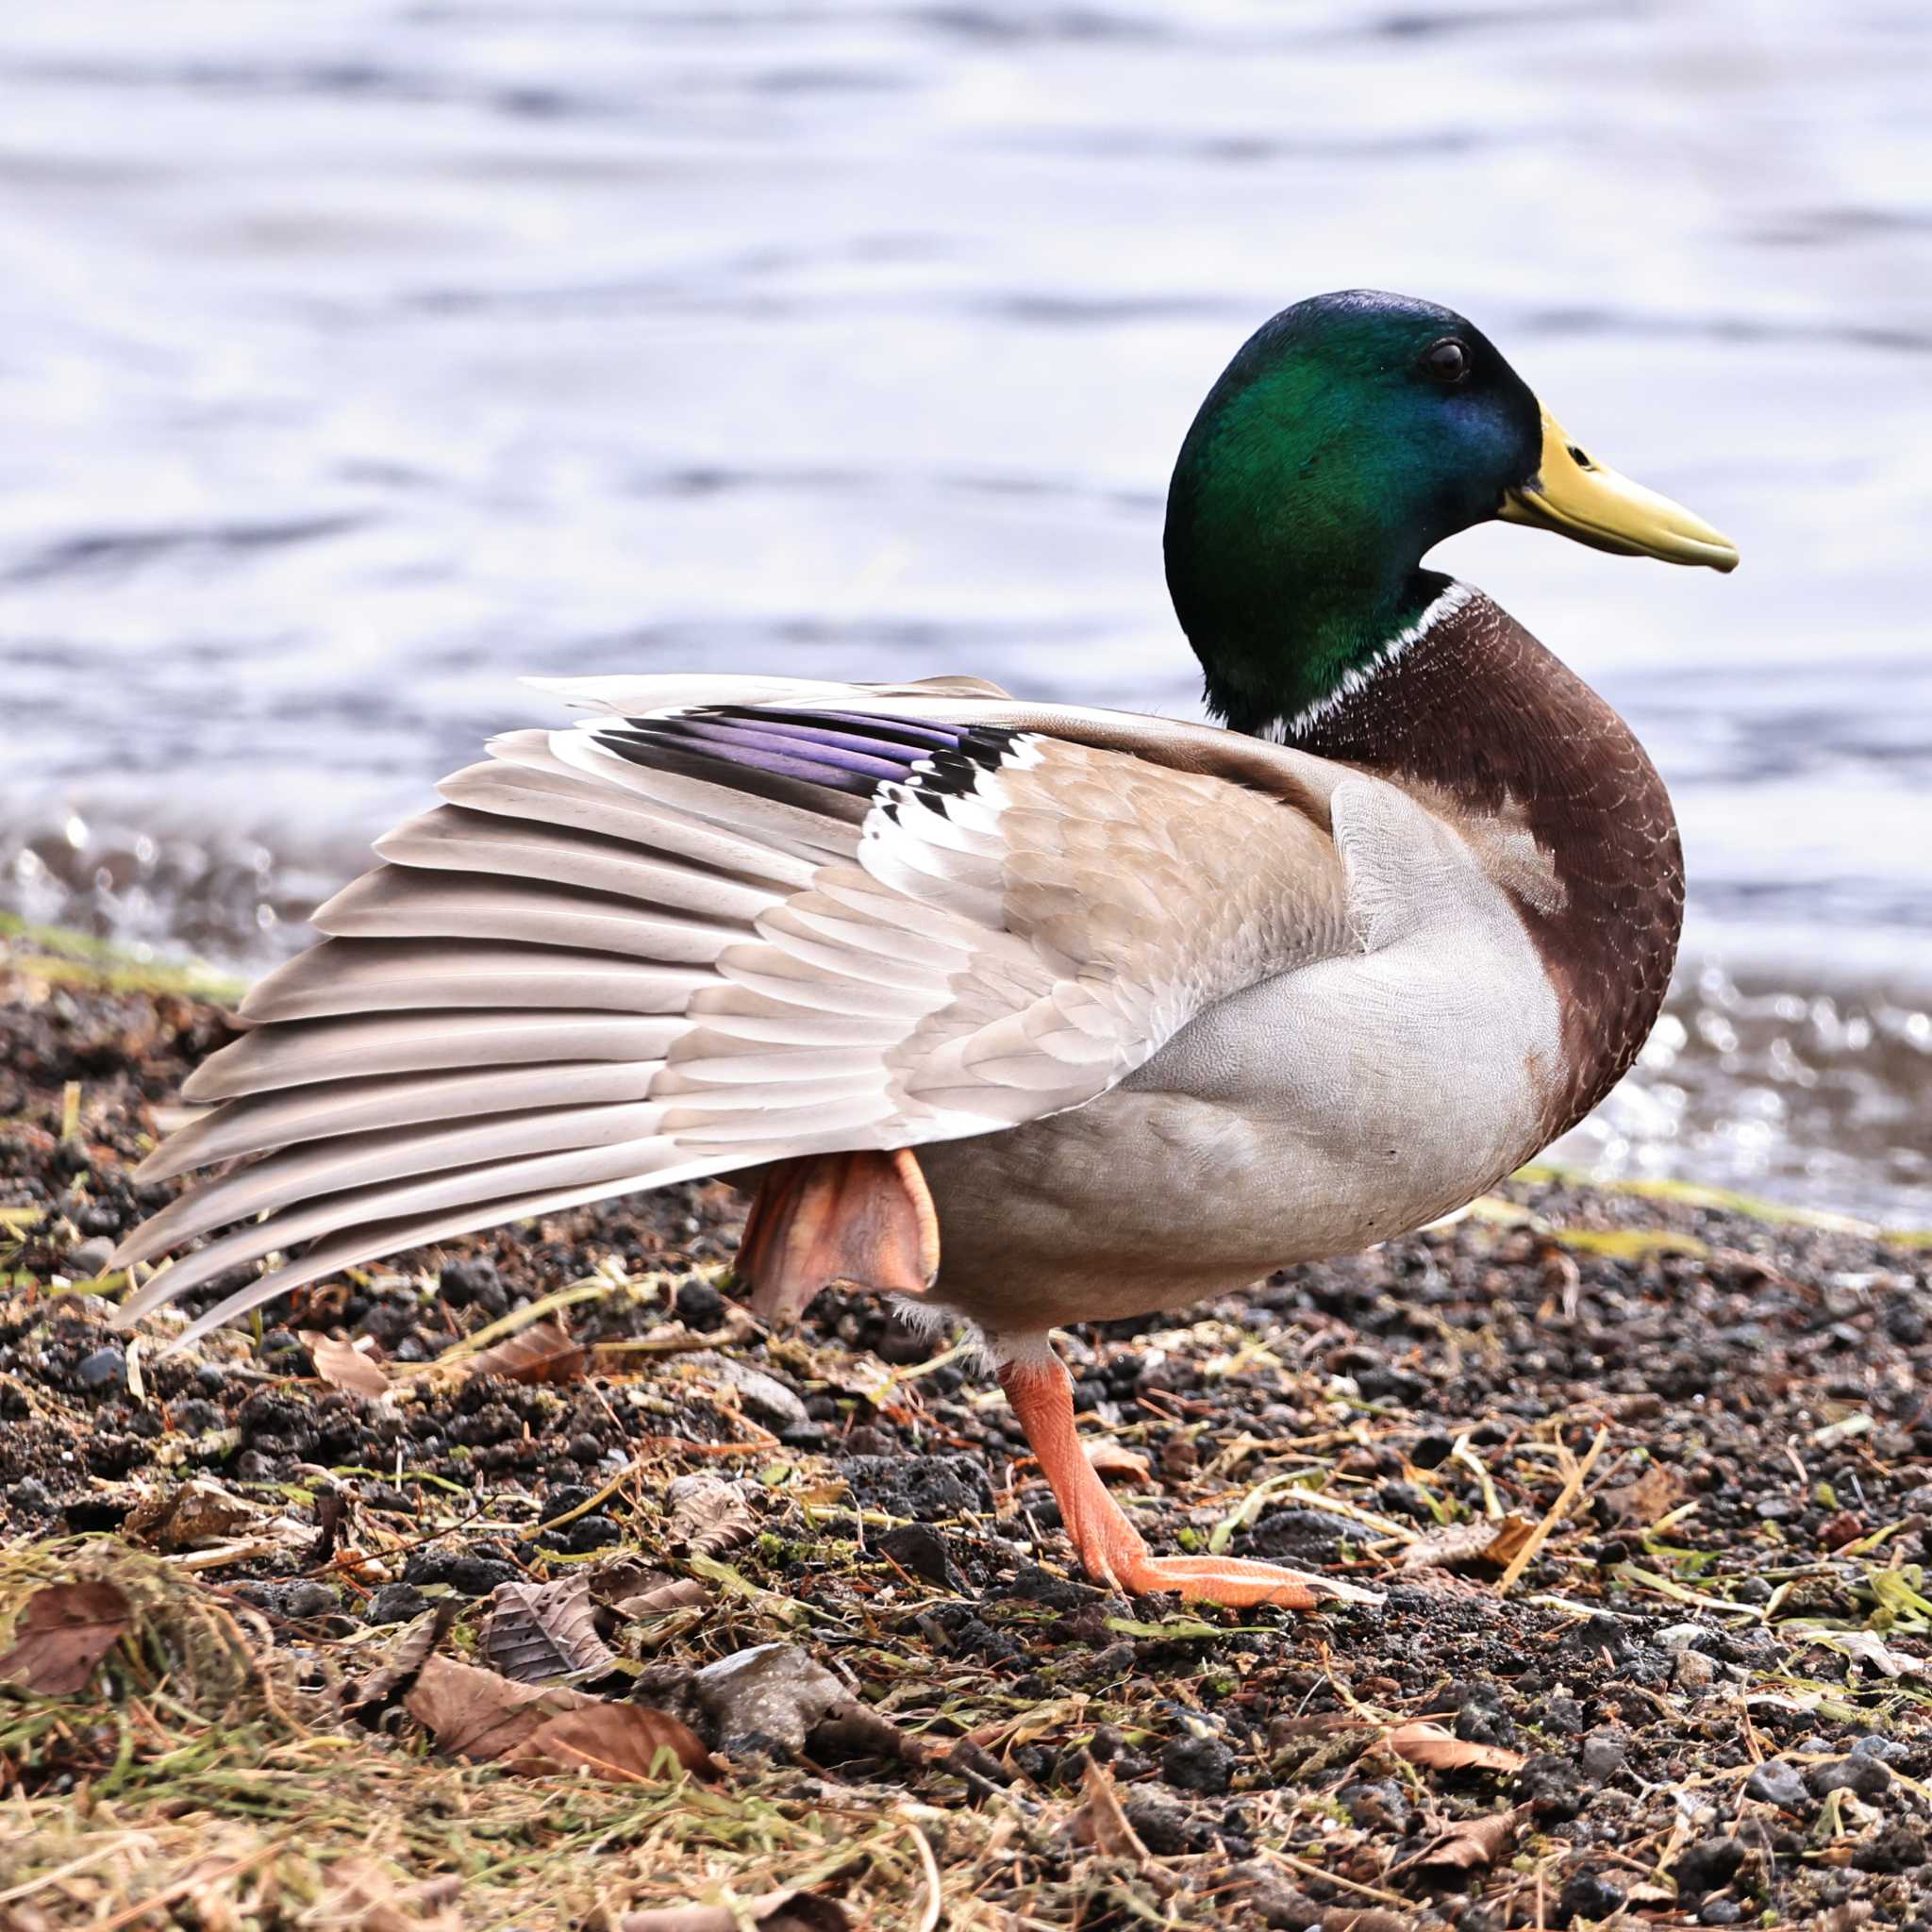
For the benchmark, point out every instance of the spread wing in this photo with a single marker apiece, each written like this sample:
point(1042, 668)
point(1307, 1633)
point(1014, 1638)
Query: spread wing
point(728, 921)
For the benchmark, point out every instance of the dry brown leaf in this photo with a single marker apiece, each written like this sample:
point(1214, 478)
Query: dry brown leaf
point(1474, 1844)
point(620, 1742)
point(539, 1631)
point(1489, 1540)
point(393, 1677)
point(62, 1635)
point(673, 1593)
point(1100, 1821)
point(543, 1352)
point(475, 1713)
point(191, 1516)
point(1656, 1493)
point(342, 1365)
point(357, 1895)
point(709, 1514)
point(1436, 1749)
point(773, 1911)
point(1110, 1459)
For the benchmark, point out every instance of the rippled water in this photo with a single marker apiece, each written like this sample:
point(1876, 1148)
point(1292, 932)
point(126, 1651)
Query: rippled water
point(356, 360)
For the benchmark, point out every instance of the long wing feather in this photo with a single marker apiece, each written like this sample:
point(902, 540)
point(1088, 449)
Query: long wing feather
point(800, 918)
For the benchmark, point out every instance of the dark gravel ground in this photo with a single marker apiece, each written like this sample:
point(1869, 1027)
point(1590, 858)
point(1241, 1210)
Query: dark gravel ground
point(1704, 1699)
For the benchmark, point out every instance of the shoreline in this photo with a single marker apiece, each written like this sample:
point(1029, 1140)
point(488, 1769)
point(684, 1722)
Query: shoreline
point(1645, 1474)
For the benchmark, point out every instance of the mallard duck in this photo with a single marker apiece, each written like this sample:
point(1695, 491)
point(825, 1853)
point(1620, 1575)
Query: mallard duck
point(1030, 1014)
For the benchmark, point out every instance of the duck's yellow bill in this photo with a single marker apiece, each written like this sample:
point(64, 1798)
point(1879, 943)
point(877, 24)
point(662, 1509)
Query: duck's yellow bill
point(1574, 495)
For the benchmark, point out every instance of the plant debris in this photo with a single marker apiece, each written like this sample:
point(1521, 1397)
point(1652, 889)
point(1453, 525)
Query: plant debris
point(662, 1621)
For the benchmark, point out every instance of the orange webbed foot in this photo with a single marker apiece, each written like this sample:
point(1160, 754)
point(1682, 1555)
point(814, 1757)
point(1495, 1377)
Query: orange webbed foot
point(1109, 1547)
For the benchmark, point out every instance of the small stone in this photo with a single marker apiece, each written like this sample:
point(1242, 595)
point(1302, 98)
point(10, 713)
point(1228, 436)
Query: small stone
point(1709, 1865)
point(1897, 1848)
point(104, 1369)
point(90, 1259)
point(295, 1602)
point(1720, 1911)
point(1197, 1764)
point(763, 1397)
point(1887, 1750)
point(1679, 1637)
point(1602, 1757)
point(1162, 1828)
point(1589, 1895)
point(1431, 1452)
point(766, 1701)
point(395, 1602)
point(699, 1305)
point(466, 1574)
point(1865, 1777)
point(30, 1496)
point(474, 1284)
point(1693, 1671)
point(1778, 1782)
point(920, 1548)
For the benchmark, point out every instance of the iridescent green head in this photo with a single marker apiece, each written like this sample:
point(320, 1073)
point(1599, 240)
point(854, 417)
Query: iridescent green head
point(1350, 436)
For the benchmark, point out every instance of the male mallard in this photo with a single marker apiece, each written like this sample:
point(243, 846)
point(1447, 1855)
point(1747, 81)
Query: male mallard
point(1160, 1007)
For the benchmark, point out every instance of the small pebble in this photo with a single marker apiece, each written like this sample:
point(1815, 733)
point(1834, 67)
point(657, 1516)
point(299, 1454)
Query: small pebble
point(1589, 1895)
point(90, 1259)
point(1197, 1764)
point(106, 1368)
point(1864, 1776)
point(395, 1602)
point(1708, 1865)
point(1780, 1783)
point(1720, 1911)
point(1693, 1671)
point(1602, 1757)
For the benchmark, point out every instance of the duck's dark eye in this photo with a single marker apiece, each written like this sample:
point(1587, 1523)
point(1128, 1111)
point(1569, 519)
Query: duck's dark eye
point(1446, 360)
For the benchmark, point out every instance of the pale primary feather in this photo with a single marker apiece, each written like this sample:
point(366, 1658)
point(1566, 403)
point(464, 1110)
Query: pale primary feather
point(640, 964)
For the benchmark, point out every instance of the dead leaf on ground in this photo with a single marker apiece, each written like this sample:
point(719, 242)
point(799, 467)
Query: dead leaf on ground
point(536, 1632)
point(1654, 1492)
point(543, 1352)
point(623, 1744)
point(1101, 1822)
point(1436, 1749)
point(1869, 1647)
point(191, 1516)
point(475, 1713)
point(709, 1514)
point(771, 1911)
point(342, 1365)
point(673, 1593)
point(62, 1635)
point(1110, 1459)
point(1489, 1540)
point(357, 1895)
point(393, 1677)
point(1474, 1845)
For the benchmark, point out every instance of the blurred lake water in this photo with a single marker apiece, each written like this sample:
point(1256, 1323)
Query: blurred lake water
point(356, 360)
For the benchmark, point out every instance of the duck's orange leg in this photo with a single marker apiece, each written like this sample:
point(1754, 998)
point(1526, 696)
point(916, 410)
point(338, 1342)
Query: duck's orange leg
point(1109, 1547)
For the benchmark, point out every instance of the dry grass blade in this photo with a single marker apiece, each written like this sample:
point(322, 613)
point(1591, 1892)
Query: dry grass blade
point(1566, 1496)
point(539, 1631)
point(342, 1365)
point(1101, 1822)
point(624, 1743)
point(1436, 1749)
point(62, 1635)
point(709, 1514)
